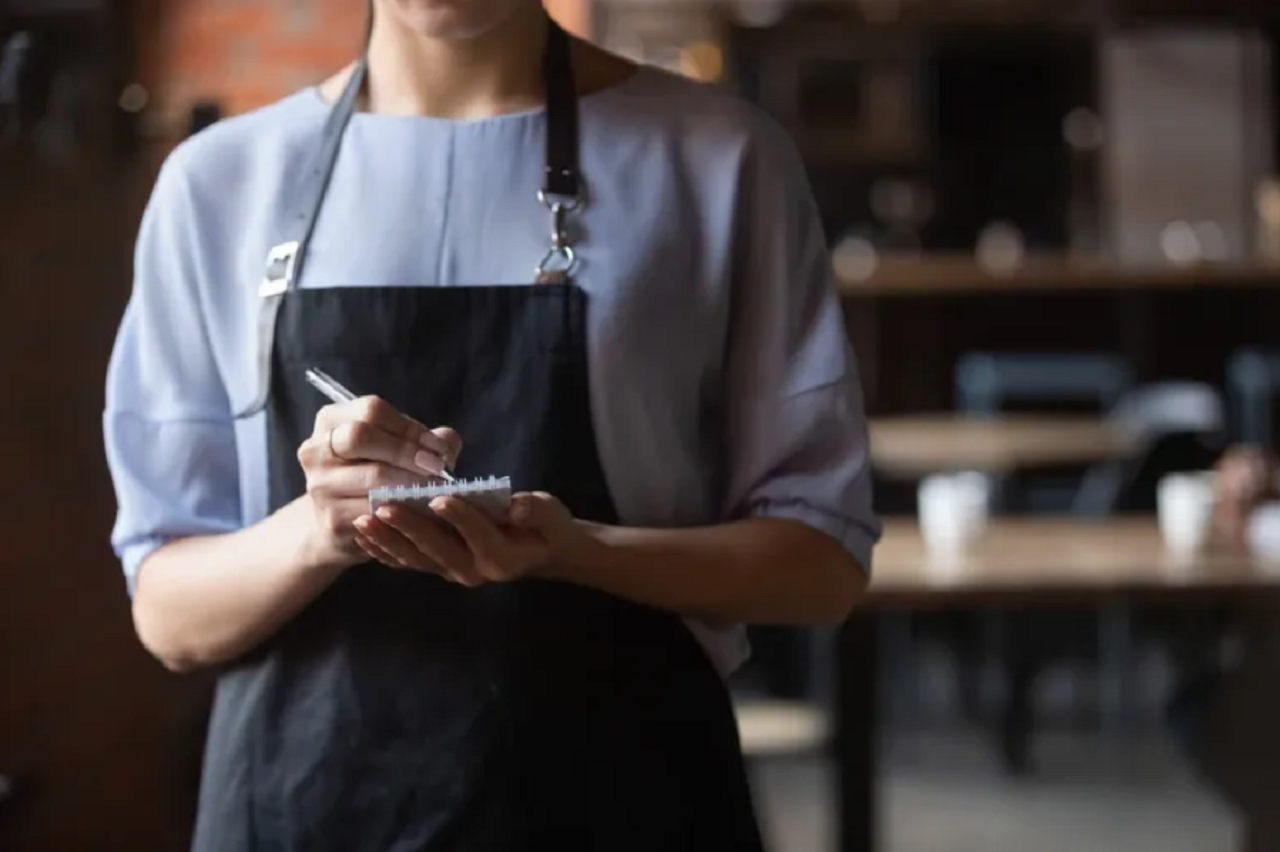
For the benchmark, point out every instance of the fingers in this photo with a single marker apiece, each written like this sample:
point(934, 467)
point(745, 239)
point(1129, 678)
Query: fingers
point(418, 536)
point(480, 534)
point(367, 536)
point(357, 440)
point(371, 429)
point(373, 410)
point(447, 444)
point(394, 548)
point(533, 510)
point(355, 481)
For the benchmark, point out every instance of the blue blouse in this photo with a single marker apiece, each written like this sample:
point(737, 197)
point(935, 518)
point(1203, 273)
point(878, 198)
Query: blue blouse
point(723, 385)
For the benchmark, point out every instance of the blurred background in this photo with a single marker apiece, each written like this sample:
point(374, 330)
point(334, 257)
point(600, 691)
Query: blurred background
point(1056, 228)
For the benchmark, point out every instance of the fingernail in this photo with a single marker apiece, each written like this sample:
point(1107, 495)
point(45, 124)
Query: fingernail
point(428, 462)
point(362, 522)
point(439, 504)
point(520, 511)
point(384, 513)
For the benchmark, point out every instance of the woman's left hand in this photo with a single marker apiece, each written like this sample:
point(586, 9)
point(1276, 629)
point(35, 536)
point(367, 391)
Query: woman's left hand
point(466, 546)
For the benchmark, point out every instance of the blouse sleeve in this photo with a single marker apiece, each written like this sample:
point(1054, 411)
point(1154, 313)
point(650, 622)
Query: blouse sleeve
point(797, 436)
point(169, 432)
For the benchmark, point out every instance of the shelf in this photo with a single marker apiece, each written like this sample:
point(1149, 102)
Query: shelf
point(960, 275)
point(51, 8)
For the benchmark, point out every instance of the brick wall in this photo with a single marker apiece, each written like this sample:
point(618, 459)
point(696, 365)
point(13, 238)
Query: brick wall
point(247, 53)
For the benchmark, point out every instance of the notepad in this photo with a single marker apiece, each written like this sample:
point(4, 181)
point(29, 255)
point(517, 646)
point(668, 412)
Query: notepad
point(491, 495)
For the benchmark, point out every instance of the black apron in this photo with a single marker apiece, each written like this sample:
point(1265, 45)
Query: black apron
point(402, 713)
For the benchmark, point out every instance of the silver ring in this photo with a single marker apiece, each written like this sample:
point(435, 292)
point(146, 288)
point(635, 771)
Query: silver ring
point(568, 262)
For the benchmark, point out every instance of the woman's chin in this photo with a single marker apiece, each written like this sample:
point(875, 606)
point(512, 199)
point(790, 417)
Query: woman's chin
point(451, 20)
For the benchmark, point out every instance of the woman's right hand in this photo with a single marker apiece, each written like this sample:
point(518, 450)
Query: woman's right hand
point(356, 446)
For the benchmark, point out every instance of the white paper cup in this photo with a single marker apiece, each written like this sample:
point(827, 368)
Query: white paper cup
point(1184, 509)
point(953, 510)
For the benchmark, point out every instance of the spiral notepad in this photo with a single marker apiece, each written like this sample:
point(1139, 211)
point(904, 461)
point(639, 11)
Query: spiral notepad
point(489, 494)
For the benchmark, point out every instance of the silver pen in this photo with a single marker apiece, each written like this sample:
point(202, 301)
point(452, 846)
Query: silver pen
point(333, 389)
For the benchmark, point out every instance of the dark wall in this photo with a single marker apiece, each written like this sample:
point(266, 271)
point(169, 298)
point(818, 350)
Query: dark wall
point(997, 108)
point(103, 743)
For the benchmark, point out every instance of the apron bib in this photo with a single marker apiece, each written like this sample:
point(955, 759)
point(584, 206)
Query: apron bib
point(402, 713)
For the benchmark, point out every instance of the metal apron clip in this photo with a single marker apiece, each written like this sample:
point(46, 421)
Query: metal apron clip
point(560, 261)
point(282, 264)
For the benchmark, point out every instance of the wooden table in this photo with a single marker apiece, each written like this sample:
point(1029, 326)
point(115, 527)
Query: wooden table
point(919, 445)
point(1024, 562)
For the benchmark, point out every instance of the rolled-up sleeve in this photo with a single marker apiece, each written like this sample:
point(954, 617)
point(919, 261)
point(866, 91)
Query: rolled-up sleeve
point(797, 436)
point(170, 439)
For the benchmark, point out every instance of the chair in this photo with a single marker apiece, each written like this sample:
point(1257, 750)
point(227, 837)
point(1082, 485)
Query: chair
point(1253, 379)
point(988, 383)
point(772, 728)
point(1180, 426)
point(1165, 407)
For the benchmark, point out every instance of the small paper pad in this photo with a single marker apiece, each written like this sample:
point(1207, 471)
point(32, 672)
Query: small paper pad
point(491, 495)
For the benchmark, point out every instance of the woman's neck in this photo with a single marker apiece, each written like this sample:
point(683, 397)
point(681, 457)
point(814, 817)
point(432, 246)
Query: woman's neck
point(491, 74)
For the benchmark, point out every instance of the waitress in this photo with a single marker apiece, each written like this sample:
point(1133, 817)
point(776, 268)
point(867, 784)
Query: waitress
point(532, 259)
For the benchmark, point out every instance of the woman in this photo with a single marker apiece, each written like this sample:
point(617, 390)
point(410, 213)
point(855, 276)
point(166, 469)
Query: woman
point(671, 391)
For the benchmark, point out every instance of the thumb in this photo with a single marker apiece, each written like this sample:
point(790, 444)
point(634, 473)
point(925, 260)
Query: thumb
point(534, 510)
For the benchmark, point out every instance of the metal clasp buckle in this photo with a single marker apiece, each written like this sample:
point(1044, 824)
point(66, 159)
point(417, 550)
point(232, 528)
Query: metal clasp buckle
point(560, 260)
point(282, 260)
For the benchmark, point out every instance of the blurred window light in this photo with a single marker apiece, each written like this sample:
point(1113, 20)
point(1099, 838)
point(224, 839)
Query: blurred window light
point(759, 14)
point(1180, 243)
point(855, 258)
point(1268, 200)
point(1212, 241)
point(1082, 129)
point(1000, 247)
point(702, 60)
point(134, 98)
point(901, 201)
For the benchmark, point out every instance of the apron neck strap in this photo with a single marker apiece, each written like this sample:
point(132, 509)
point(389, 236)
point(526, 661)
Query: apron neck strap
point(561, 174)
